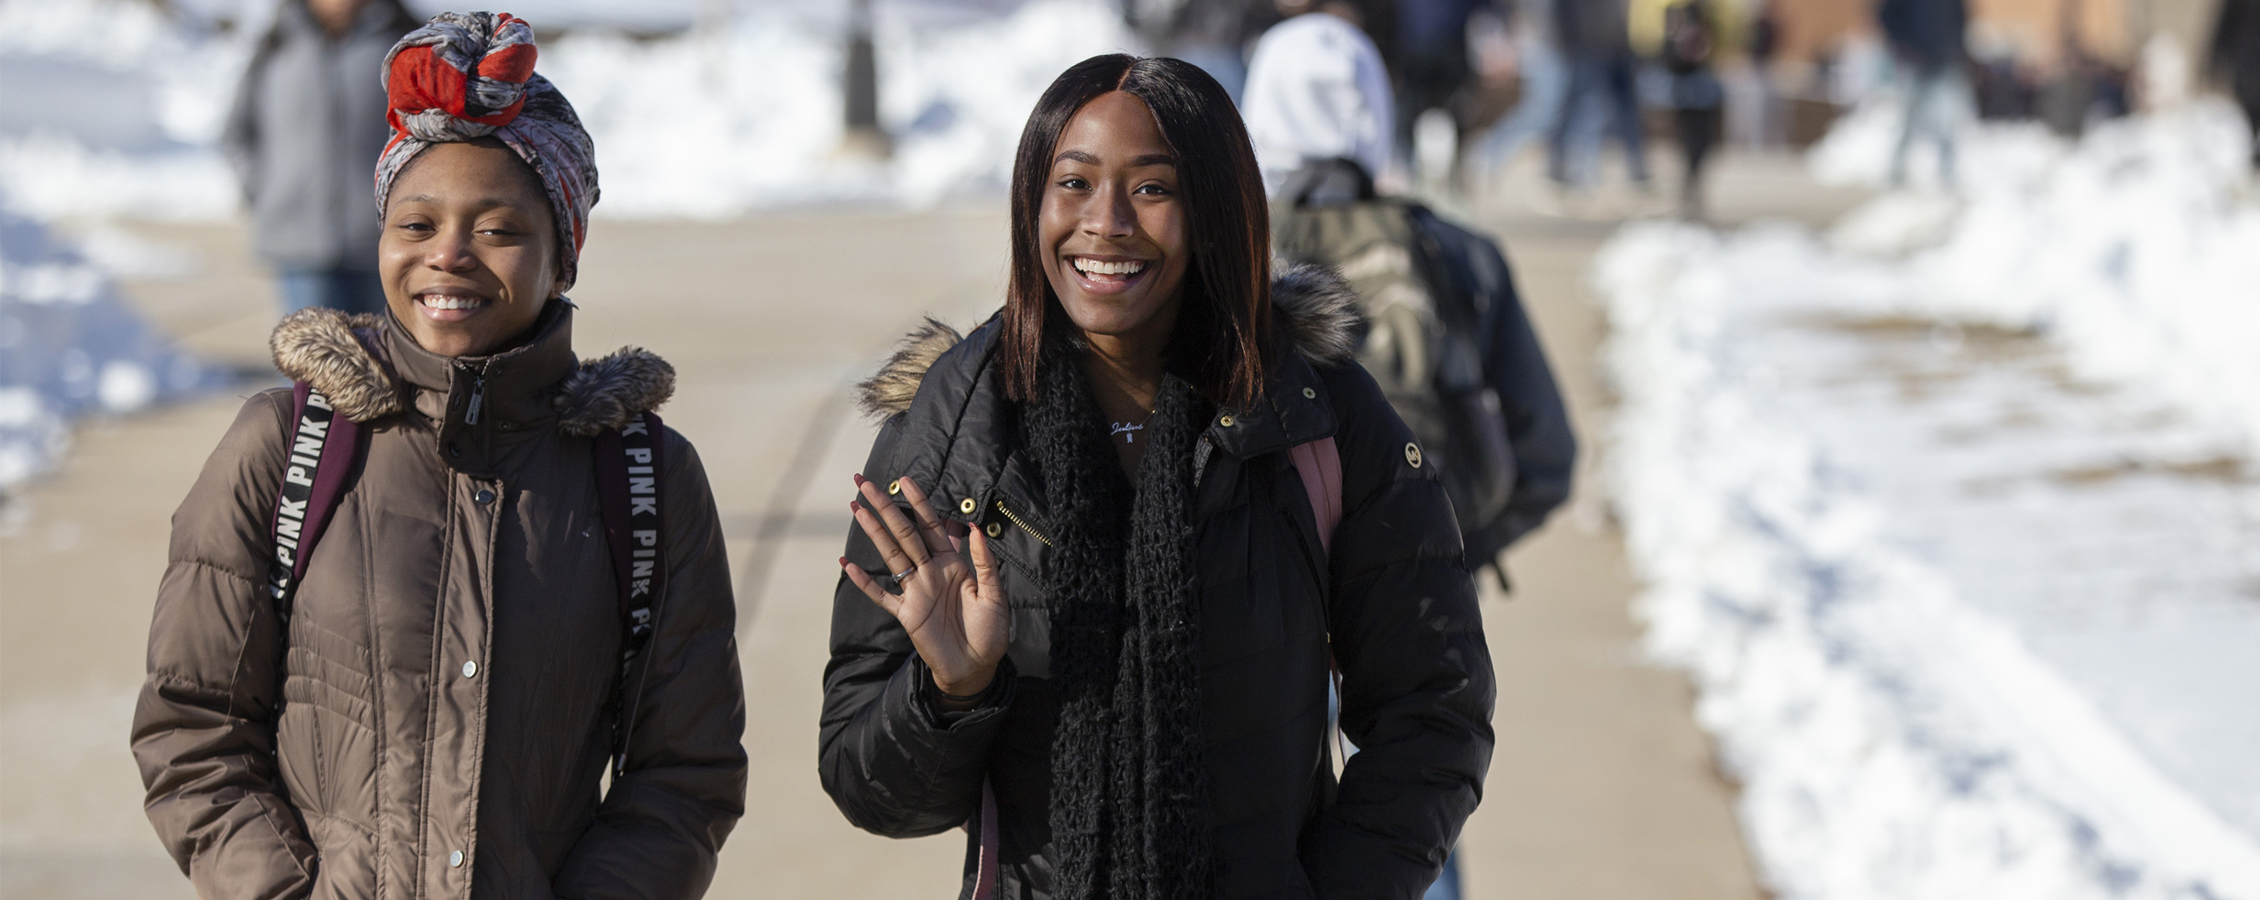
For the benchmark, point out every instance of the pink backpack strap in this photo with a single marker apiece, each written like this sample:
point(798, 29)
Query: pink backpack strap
point(1319, 462)
point(985, 877)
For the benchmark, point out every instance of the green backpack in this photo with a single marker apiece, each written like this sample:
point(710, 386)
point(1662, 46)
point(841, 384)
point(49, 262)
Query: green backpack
point(1425, 340)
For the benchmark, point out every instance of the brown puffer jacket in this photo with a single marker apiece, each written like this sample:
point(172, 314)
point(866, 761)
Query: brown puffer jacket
point(436, 721)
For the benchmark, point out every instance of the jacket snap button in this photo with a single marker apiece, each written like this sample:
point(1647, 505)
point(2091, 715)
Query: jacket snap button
point(1309, 394)
point(483, 496)
point(1412, 454)
point(965, 506)
point(455, 860)
point(454, 449)
point(470, 669)
point(994, 529)
point(894, 488)
point(1226, 421)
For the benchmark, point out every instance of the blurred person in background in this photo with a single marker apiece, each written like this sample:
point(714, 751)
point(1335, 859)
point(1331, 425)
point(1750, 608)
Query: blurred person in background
point(1698, 100)
point(1433, 70)
point(1765, 44)
point(1601, 99)
point(1543, 86)
point(2235, 60)
point(303, 134)
point(1927, 40)
point(415, 681)
point(1212, 34)
point(1108, 543)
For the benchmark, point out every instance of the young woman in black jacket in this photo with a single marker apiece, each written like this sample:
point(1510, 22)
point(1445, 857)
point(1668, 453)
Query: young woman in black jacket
point(1090, 608)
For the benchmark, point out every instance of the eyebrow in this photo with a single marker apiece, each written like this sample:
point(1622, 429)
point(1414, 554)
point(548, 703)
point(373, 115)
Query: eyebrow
point(1150, 159)
point(485, 203)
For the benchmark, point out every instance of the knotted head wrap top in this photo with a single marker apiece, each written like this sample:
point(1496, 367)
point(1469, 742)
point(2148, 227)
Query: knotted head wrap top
point(464, 76)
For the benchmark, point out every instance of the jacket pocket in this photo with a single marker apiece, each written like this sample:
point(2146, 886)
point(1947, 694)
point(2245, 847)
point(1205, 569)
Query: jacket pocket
point(345, 862)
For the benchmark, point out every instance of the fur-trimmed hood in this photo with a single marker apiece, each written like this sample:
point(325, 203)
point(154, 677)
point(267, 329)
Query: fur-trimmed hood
point(1317, 310)
point(341, 356)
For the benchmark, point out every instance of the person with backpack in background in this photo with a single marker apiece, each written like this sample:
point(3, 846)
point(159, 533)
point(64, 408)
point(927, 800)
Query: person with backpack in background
point(302, 134)
point(420, 607)
point(1445, 333)
point(1112, 546)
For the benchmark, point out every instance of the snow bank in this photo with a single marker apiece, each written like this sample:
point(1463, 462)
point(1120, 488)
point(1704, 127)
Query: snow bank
point(69, 347)
point(2131, 247)
point(124, 105)
point(1896, 735)
point(1891, 740)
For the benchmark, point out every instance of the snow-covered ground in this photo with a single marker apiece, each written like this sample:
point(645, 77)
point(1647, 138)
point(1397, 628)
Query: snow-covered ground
point(70, 347)
point(1952, 515)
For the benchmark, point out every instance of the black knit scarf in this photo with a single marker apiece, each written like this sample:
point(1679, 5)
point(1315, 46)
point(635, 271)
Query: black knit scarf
point(1129, 807)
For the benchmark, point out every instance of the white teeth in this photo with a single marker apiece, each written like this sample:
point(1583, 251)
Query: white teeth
point(449, 301)
point(1096, 267)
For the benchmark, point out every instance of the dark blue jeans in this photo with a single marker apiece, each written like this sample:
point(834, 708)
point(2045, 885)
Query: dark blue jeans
point(346, 290)
point(1601, 102)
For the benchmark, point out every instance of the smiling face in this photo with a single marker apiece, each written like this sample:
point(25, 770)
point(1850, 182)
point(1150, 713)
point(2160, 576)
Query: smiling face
point(1112, 223)
point(469, 252)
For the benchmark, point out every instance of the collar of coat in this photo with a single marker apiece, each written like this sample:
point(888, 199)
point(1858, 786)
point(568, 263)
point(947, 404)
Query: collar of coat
point(955, 421)
point(369, 367)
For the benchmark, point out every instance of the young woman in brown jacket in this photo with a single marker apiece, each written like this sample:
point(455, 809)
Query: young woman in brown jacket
point(433, 710)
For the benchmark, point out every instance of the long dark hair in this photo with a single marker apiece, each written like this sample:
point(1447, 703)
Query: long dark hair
point(1223, 341)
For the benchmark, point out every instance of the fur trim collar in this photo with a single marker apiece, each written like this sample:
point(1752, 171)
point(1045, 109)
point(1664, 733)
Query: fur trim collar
point(331, 351)
point(1318, 309)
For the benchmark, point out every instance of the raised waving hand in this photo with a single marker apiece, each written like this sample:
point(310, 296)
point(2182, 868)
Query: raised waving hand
point(952, 606)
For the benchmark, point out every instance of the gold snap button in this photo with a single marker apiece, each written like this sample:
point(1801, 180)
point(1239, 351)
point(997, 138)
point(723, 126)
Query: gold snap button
point(1412, 454)
point(1226, 421)
point(965, 506)
point(1309, 394)
point(894, 487)
point(994, 529)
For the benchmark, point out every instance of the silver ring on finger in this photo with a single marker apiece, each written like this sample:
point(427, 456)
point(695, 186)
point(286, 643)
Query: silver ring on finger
point(906, 573)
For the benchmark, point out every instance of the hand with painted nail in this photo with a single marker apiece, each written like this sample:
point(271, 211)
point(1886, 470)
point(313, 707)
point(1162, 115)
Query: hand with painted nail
point(952, 602)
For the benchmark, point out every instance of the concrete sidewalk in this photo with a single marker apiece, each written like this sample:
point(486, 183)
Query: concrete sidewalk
point(1601, 787)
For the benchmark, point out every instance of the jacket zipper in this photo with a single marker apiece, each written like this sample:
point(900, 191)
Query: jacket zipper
point(1023, 523)
point(478, 394)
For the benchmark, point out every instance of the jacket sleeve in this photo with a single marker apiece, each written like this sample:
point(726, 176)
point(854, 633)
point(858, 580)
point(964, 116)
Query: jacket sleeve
point(661, 826)
point(204, 726)
point(1538, 425)
point(892, 762)
point(1416, 674)
point(1545, 449)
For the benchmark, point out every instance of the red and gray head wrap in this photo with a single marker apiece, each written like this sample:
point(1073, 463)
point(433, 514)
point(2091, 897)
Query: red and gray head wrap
point(465, 76)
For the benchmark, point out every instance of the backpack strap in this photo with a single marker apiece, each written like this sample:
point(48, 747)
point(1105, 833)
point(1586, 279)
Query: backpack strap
point(322, 447)
point(1319, 463)
point(628, 464)
point(992, 846)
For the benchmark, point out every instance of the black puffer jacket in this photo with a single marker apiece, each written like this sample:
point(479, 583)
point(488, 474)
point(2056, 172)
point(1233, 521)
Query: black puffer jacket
point(1394, 595)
